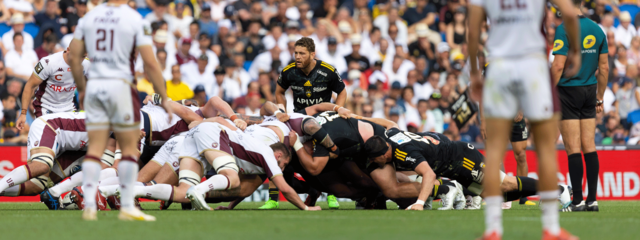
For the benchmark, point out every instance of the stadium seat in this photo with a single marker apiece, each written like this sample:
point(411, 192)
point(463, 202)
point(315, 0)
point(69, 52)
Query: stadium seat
point(32, 29)
point(4, 28)
point(144, 11)
point(631, 8)
point(247, 65)
point(634, 117)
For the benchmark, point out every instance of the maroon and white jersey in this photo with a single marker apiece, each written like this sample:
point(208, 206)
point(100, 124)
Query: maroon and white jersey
point(111, 33)
point(252, 156)
point(161, 129)
point(267, 135)
point(59, 132)
point(56, 92)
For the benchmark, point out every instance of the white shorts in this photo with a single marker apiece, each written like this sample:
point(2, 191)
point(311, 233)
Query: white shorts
point(41, 111)
point(206, 137)
point(41, 135)
point(514, 84)
point(112, 103)
point(169, 152)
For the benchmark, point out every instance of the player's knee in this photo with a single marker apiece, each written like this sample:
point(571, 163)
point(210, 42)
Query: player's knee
point(42, 182)
point(188, 177)
point(521, 157)
point(43, 158)
point(508, 184)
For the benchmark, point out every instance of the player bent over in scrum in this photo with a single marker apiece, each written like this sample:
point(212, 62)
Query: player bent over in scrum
point(212, 145)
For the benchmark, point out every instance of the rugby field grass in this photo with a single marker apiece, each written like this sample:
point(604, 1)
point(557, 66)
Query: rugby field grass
point(24, 221)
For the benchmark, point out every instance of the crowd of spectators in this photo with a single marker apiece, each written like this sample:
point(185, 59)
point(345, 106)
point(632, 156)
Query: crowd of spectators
point(403, 60)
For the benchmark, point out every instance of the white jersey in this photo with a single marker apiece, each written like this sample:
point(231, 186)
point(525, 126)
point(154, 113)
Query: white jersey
point(111, 34)
point(59, 132)
point(57, 89)
point(161, 129)
point(516, 27)
point(267, 135)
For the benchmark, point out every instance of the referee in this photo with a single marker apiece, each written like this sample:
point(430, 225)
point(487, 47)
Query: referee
point(581, 97)
point(312, 82)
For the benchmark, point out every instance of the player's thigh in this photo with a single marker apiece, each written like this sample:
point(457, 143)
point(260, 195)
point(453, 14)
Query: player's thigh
point(536, 95)
point(385, 177)
point(499, 97)
point(41, 139)
point(149, 171)
point(167, 175)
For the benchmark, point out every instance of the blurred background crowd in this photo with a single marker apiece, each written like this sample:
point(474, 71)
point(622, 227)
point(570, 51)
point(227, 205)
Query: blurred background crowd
point(404, 60)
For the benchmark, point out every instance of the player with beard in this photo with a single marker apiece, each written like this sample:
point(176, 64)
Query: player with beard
point(312, 81)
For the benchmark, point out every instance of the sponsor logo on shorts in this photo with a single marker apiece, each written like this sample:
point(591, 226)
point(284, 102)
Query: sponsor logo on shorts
point(82, 144)
point(127, 117)
point(214, 144)
point(557, 45)
point(175, 164)
point(36, 143)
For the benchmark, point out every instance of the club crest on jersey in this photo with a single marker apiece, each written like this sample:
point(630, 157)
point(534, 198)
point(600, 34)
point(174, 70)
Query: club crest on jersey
point(214, 145)
point(400, 138)
point(308, 92)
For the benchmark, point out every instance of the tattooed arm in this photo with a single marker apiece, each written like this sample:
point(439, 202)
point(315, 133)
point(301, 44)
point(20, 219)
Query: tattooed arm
point(250, 120)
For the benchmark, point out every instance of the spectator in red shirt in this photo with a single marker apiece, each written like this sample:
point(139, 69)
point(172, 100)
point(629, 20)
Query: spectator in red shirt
point(183, 55)
point(47, 47)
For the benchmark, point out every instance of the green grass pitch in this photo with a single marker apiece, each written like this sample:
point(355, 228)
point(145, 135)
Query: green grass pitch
point(22, 221)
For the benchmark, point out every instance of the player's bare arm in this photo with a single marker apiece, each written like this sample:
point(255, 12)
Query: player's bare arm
point(603, 73)
point(280, 98)
point(27, 94)
point(152, 68)
point(313, 165)
point(387, 124)
point(323, 107)
point(428, 177)
point(250, 120)
point(342, 98)
point(476, 17)
point(291, 195)
point(77, 51)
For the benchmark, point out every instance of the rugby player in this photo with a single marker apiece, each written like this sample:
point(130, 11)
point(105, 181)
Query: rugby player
point(429, 157)
point(55, 87)
point(518, 79)
point(110, 34)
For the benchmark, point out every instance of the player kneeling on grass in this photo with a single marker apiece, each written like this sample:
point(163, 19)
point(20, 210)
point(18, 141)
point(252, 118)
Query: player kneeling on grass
point(458, 161)
point(216, 144)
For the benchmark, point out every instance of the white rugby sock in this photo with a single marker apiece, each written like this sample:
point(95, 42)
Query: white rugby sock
point(217, 182)
point(109, 190)
point(159, 192)
point(68, 185)
point(549, 207)
point(90, 179)
point(16, 177)
point(128, 174)
point(108, 173)
point(13, 191)
point(110, 181)
point(493, 214)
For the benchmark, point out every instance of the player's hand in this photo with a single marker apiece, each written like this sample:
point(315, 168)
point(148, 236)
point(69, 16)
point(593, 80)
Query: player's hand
point(518, 117)
point(167, 108)
point(282, 117)
point(344, 112)
point(418, 207)
point(147, 99)
point(21, 121)
point(222, 208)
point(142, 135)
point(572, 66)
point(599, 107)
point(476, 86)
point(314, 208)
point(240, 124)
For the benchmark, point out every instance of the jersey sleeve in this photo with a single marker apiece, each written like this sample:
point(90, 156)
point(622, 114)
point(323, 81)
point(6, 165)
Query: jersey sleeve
point(560, 43)
point(272, 169)
point(283, 81)
point(604, 45)
point(79, 31)
point(143, 34)
point(40, 69)
point(337, 85)
point(85, 65)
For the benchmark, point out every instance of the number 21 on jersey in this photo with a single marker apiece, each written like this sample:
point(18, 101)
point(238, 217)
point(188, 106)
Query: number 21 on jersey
point(104, 40)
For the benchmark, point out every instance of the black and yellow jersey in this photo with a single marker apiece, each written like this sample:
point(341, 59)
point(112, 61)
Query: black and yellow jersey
point(411, 149)
point(308, 90)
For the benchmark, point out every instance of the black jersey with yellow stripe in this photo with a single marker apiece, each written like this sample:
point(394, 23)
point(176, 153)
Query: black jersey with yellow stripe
point(308, 90)
point(411, 149)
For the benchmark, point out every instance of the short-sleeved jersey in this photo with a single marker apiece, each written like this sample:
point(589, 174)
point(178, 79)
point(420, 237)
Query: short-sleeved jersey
point(411, 149)
point(317, 87)
point(161, 129)
point(594, 43)
point(57, 89)
point(70, 130)
point(111, 34)
point(251, 156)
point(516, 27)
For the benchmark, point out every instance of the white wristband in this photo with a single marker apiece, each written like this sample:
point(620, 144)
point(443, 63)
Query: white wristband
point(277, 111)
point(306, 208)
point(298, 145)
point(420, 202)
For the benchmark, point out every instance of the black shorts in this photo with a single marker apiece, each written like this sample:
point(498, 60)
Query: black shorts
point(578, 102)
point(467, 166)
point(519, 132)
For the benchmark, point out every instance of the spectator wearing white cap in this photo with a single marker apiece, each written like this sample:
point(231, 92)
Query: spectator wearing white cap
point(17, 26)
point(384, 21)
point(344, 47)
point(625, 31)
point(355, 55)
point(422, 47)
point(20, 61)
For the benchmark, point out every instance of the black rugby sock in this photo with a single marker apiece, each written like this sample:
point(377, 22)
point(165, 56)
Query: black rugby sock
point(274, 194)
point(526, 187)
point(576, 171)
point(440, 189)
point(593, 168)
